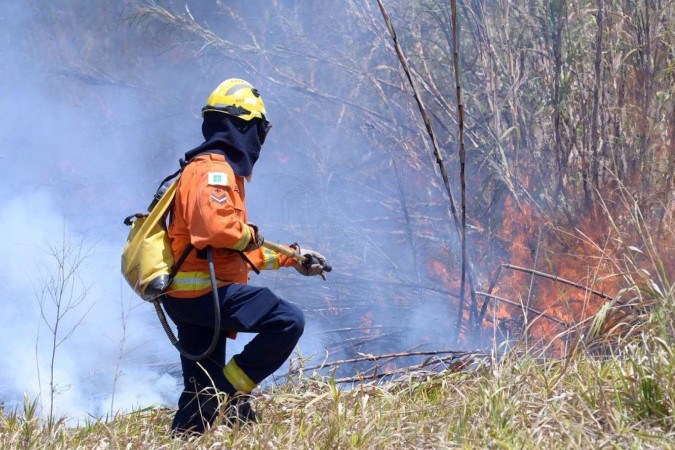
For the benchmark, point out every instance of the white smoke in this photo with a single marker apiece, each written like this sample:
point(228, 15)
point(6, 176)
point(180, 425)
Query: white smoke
point(89, 359)
point(85, 141)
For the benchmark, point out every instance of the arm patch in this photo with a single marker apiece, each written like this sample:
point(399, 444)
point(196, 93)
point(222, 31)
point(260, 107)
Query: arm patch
point(217, 179)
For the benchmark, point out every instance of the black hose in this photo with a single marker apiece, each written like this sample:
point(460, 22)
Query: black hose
point(216, 319)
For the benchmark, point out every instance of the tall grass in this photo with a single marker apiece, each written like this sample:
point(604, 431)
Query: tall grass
point(615, 390)
point(623, 401)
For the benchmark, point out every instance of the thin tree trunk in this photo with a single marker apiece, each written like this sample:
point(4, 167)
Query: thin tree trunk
point(594, 148)
point(466, 265)
point(557, 64)
point(462, 167)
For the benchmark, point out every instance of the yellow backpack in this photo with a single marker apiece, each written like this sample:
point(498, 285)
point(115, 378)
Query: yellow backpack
point(148, 264)
point(147, 259)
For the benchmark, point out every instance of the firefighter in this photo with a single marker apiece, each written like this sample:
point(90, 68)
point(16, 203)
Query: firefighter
point(210, 210)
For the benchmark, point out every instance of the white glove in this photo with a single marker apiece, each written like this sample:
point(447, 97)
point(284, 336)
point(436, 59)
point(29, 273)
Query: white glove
point(314, 262)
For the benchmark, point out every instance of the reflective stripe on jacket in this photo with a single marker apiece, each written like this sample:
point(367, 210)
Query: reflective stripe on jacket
point(210, 209)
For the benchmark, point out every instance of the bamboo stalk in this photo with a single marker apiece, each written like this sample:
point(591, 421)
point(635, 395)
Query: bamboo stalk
point(388, 356)
point(531, 272)
point(462, 174)
point(558, 279)
point(374, 376)
point(423, 111)
point(404, 370)
point(352, 343)
point(511, 302)
point(483, 308)
point(361, 328)
point(466, 265)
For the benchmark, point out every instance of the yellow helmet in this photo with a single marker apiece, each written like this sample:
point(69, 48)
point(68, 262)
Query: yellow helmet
point(238, 98)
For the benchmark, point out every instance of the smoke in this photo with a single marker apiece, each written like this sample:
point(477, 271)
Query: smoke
point(94, 119)
point(69, 169)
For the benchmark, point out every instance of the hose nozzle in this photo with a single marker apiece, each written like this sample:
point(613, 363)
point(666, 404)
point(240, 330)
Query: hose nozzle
point(305, 260)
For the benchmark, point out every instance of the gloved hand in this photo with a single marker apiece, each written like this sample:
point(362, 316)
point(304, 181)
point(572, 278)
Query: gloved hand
point(257, 241)
point(315, 264)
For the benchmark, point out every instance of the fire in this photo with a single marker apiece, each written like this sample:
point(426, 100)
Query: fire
point(548, 306)
point(551, 283)
point(567, 277)
point(545, 281)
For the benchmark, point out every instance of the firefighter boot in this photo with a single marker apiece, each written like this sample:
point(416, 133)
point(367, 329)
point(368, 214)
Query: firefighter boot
point(239, 412)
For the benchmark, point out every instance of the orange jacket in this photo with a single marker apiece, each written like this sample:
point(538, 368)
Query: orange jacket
point(210, 209)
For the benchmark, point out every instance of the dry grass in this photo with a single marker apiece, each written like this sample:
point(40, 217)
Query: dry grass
point(626, 400)
point(614, 389)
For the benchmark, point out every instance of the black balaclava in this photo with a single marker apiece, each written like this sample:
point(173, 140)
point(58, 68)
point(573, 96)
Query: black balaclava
point(236, 139)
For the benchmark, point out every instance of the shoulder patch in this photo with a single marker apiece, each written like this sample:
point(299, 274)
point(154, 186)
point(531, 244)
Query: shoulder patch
point(217, 179)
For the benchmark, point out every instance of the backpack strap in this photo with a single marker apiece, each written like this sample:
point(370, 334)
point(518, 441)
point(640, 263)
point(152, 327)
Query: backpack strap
point(178, 263)
point(202, 255)
point(249, 262)
point(173, 175)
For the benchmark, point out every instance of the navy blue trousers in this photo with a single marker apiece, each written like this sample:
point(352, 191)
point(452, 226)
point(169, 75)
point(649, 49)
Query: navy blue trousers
point(278, 324)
